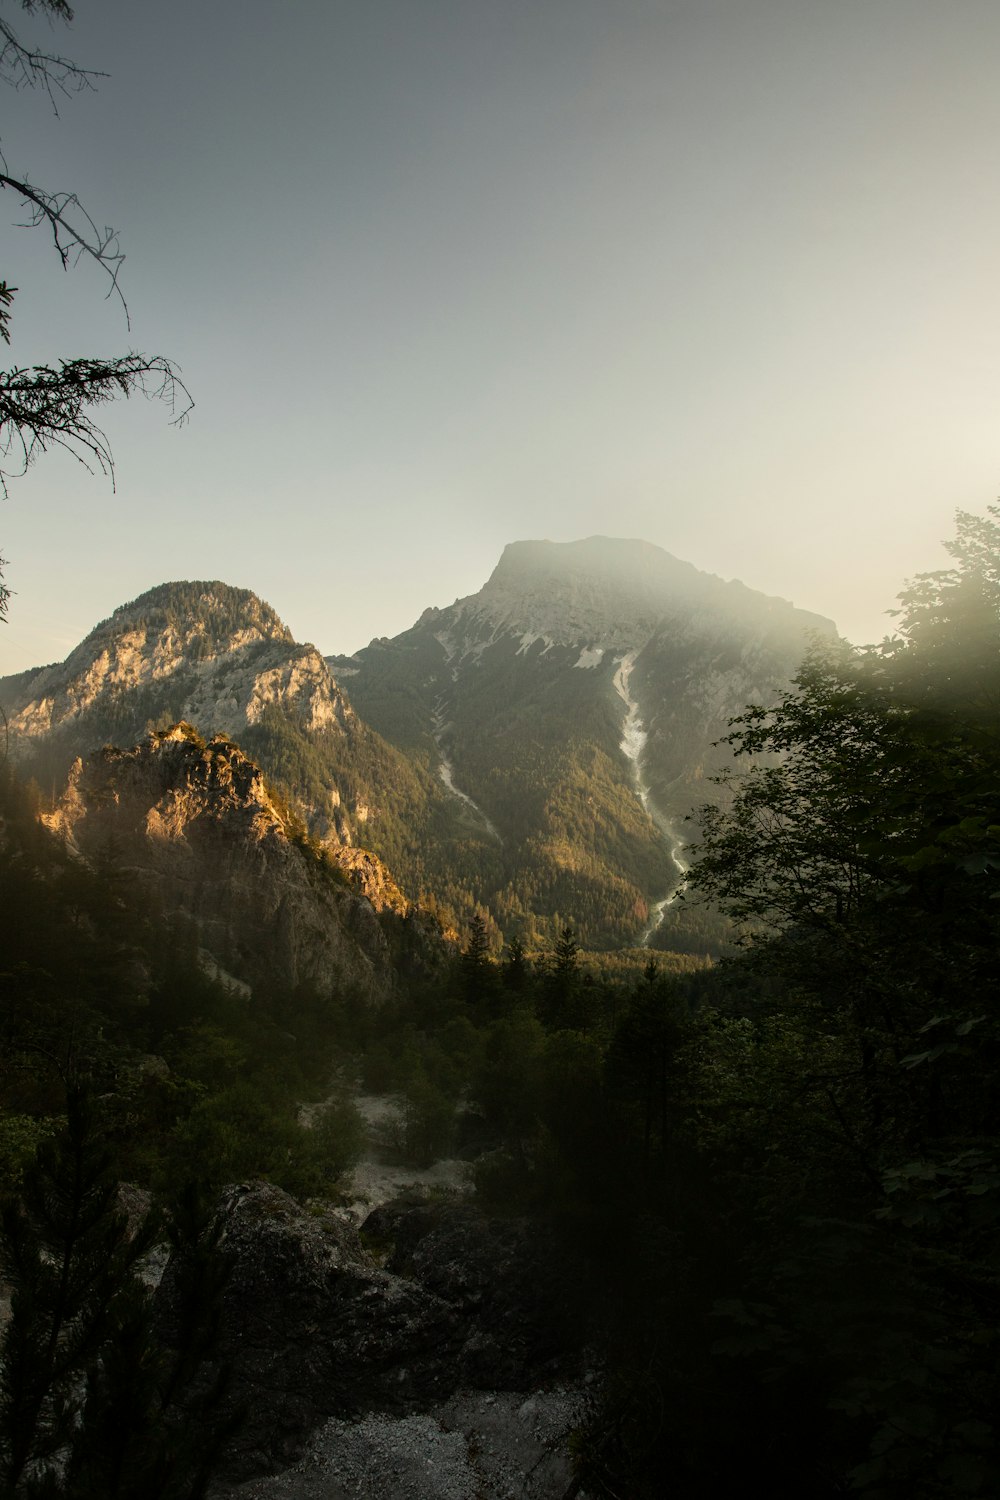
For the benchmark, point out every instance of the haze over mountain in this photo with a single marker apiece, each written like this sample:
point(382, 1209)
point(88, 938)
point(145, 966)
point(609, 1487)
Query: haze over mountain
point(530, 751)
point(573, 701)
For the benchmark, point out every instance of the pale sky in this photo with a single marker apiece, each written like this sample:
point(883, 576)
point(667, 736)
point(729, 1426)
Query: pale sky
point(443, 274)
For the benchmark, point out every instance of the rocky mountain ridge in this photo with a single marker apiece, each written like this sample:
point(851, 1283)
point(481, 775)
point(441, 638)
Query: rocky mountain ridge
point(207, 653)
point(605, 594)
point(531, 751)
point(196, 826)
point(219, 658)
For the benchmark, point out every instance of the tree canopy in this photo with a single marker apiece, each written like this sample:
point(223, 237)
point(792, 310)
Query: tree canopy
point(869, 798)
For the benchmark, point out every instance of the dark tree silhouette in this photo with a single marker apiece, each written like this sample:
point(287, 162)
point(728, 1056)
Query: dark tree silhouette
point(92, 1401)
point(477, 974)
point(42, 407)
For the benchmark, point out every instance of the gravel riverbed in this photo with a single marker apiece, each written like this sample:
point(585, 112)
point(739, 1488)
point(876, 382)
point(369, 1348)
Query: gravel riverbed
point(479, 1445)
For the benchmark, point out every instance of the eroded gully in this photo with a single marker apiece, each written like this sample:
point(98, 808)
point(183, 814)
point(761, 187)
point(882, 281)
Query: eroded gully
point(633, 745)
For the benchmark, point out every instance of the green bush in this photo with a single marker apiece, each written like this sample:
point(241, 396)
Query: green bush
point(20, 1137)
point(429, 1122)
point(327, 1148)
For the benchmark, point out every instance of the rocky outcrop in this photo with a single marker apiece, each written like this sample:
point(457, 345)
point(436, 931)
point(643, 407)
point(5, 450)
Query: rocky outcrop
point(215, 656)
point(219, 658)
point(501, 1276)
point(369, 875)
point(313, 1327)
point(196, 824)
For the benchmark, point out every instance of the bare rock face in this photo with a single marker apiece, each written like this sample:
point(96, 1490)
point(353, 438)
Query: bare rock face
point(503, 1278)
point(220, 659)
point(206, 653)
point(196, 824)
point(312, 1327)
point(367, 872)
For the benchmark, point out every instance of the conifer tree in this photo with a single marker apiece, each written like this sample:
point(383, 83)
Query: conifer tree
point(561, 1008)
point(90, 1405)
point(67, 1251)
point(515, 968)
point(476, 970)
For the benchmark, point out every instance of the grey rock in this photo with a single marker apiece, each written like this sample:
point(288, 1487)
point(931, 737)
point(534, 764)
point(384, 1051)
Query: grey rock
point(312, 1329)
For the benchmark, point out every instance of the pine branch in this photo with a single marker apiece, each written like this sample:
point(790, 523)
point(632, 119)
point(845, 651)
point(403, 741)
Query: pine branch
point(42, 407)
point(74, 233)
point(23, 67)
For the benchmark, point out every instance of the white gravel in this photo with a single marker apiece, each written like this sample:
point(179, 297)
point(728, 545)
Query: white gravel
point(480, 1445)
point(379, 1176)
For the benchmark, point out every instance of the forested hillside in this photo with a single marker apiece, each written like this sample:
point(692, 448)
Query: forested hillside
point(520, 695)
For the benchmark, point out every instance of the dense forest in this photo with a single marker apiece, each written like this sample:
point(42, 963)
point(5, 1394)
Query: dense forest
point(775, 1180)
point(538, 745)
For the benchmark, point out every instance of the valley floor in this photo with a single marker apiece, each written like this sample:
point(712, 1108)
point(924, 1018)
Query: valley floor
point(379, 1175)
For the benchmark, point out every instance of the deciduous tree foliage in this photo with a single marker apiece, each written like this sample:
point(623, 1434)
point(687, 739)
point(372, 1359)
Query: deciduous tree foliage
point(862, 845)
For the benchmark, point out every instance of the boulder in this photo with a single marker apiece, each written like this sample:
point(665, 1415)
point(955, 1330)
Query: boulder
point(311, 1327)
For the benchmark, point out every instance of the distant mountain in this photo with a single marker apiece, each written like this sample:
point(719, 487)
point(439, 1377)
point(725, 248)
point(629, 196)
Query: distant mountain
point(571, 705)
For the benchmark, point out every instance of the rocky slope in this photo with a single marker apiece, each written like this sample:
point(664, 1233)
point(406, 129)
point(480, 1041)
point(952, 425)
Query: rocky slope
point(195, 825)
point(213, 655)
point(218, 658)
point(571, 705)
point(317, 1323)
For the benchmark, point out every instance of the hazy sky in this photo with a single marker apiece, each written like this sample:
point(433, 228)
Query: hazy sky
point(442, 274)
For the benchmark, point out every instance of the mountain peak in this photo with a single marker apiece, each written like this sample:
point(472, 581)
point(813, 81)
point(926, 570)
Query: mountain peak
point(614, 590)
point(593, 552)
point(616, 560)
point(206, 652)
point(217, 609)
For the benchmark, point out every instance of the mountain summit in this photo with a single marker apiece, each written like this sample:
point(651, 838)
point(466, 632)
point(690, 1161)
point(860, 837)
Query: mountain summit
point(205, 652)
point(614, 589)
